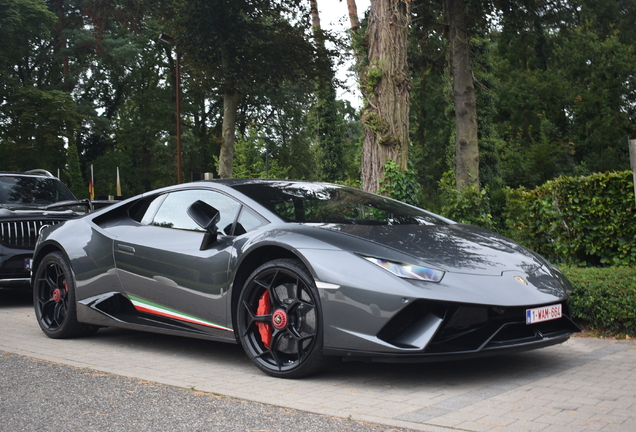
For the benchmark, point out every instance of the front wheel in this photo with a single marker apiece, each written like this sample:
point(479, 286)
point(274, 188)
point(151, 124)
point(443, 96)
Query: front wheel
point(280, 320)
point(54, 299)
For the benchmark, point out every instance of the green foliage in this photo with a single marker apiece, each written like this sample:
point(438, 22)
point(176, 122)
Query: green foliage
point(566, 99)
point(399, 185)
point(600, 71)
point(35, 124)
point(604, 298)
point(23, 24)
point(468, 205)
point(75, 181)
point(548, 156)
point(372, 77)
point(327, 124)
point(250, 161)
point(579, 220)
point(431, 132)
point(105, 170)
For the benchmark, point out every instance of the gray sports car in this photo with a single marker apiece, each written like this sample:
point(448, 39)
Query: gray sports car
point(298, 273)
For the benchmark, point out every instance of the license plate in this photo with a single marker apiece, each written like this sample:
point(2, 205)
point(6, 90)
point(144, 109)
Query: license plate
point(28, 263)
point(545, 313)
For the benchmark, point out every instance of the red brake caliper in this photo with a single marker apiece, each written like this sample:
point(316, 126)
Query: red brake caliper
point(265, 308)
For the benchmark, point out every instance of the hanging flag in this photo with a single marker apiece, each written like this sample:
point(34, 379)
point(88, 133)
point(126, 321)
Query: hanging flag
point(91, 186)
point(118, 184)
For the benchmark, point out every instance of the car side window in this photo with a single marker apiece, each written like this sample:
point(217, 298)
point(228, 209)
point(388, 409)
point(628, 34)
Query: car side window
point(247, 221)
point(172, 212)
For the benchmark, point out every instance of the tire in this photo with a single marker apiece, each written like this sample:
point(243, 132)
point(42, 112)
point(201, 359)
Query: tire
point(283, 340)
point(54, 299)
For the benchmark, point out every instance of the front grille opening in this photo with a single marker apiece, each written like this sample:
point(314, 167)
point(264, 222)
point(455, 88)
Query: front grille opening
point(470, 328)
point(408, 317)
point(22, 234)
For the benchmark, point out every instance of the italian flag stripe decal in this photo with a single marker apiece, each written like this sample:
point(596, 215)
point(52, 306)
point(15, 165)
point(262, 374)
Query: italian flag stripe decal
point(155, 309)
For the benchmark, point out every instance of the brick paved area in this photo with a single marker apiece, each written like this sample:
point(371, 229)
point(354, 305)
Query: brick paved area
point(582, 385)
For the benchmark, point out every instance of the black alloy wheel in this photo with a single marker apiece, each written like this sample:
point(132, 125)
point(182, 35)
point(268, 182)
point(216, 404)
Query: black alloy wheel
point(280, 320)
point(54, 299)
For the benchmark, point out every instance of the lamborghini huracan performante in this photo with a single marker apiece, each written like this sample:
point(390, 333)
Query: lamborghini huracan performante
point(298, 273)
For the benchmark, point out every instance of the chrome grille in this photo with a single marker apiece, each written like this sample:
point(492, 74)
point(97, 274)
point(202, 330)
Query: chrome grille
point(22, 233)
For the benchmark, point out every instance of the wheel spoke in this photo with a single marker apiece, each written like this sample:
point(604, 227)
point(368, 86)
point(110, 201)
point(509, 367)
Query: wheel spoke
point(59, 313)
point(299, 347)
point(296, 334)
point(278, 335)
point(299, 288)
point(50, 282)
point(262, 283)
point(48, 313)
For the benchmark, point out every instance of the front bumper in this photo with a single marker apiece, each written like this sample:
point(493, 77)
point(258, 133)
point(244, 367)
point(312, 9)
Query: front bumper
point(431, 331)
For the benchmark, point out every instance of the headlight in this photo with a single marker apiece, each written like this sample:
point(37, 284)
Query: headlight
point(407, 271)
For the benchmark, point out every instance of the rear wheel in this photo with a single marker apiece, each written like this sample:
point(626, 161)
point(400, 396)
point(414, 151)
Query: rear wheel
point(280, 320)
point(54, 299)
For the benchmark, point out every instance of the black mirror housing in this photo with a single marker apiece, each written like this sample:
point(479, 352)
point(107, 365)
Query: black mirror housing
point(206, 216)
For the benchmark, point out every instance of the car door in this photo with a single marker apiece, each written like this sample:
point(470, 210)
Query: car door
point(165, 274)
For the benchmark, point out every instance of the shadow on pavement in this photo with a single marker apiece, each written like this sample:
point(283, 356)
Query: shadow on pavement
point(15, 297)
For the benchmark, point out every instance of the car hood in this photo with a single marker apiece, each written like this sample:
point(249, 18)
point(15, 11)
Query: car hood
point(454, 248)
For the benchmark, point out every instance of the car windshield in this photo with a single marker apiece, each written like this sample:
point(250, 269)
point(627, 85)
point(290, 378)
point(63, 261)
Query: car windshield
point(327, 203)
point(22, 190)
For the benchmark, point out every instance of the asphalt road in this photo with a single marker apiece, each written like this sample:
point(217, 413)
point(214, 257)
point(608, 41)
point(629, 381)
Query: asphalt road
point(44, 396)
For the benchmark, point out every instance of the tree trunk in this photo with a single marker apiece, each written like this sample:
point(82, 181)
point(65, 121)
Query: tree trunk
point(386, 84)
point(467, 148)
point(353, 15)
point(315, 17)
point(231, 99)
point(60, 32)
point(358, 52)
point(357, 43)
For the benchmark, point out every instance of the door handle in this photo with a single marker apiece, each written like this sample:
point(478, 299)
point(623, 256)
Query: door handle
point(125, 248)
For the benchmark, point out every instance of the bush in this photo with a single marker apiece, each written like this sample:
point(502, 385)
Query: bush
point(399, 185)
point(468, 205)
point(604, 298)
point(577, 220)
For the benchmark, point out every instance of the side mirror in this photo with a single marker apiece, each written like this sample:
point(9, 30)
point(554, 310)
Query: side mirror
point(206, 216)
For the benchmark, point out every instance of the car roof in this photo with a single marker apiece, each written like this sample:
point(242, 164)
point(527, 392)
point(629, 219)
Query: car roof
point(30, 173)
point(242, 181)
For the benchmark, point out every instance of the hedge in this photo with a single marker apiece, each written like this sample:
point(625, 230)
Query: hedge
point(604, 298)
point(577, 220)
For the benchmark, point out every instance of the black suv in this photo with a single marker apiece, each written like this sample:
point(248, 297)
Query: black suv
point(29, 201)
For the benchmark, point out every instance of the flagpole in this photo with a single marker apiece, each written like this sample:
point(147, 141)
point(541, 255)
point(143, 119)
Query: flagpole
point(91, 186)
point(118, 184)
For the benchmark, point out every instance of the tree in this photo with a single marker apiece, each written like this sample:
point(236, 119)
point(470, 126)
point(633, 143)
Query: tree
point(36, 119)
point(240, 44)
point(386, 86)
point(325, 117)
point(567, 87)
point(464, 98)
point(74, 173)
